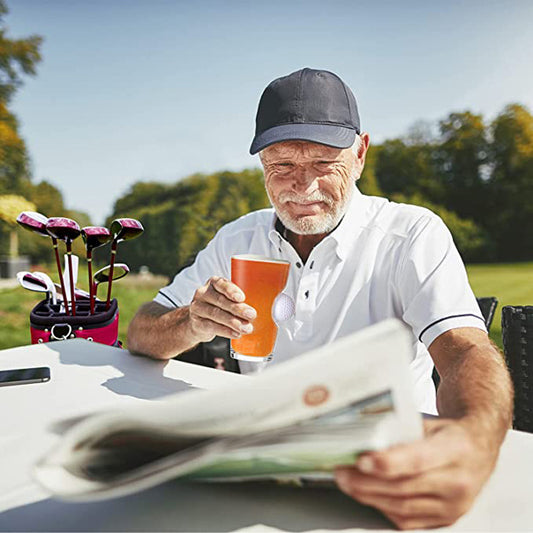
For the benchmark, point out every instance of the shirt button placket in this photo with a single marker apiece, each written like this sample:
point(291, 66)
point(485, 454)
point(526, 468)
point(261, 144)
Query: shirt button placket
point(306, 304)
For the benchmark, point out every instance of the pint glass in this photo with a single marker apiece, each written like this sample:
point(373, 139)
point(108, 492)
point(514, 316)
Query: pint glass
point(261, 279)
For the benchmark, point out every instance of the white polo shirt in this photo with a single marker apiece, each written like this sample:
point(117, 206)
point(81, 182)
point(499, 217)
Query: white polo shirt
point(383, 260)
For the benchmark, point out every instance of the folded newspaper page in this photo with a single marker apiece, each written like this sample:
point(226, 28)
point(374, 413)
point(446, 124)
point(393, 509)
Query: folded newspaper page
point(294, 421)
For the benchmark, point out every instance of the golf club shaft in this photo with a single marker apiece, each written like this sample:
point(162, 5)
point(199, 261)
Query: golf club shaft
point(90, 269)
point(95, 290)
point(60, 272)
point(71, 279)
point(111, 267)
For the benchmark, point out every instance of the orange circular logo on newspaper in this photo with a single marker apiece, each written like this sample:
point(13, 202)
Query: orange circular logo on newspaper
point(316, 395)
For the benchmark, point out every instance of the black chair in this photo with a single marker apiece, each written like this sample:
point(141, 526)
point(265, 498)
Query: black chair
point(517, 333)
point(215, 354)
point(487, 305)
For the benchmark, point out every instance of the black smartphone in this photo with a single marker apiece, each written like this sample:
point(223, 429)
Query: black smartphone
point(19, 376)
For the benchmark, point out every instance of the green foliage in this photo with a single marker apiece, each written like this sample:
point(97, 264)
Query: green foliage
point(11, 205)
point(14, 160)
point(153, 192)
point(511, 201)
point(368, 183)
point(461, 155)
point(481, 176)
point(47, 198)
point(407, 169)
point(181, 219)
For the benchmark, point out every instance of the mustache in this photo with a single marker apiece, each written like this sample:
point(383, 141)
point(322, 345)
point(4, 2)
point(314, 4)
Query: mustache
point(317, 196)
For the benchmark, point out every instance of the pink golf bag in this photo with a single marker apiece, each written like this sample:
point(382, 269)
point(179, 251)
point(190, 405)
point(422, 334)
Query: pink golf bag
point(48, 324)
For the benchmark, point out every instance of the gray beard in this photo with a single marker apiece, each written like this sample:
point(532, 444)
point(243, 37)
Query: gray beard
point(313, 224)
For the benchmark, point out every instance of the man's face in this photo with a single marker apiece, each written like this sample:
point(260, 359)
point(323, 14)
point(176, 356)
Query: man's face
point(309, 184)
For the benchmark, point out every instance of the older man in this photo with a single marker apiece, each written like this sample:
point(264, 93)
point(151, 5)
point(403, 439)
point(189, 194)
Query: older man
point(355, 260)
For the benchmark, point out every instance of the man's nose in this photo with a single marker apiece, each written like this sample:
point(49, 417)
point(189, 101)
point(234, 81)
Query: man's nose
point(305, 180)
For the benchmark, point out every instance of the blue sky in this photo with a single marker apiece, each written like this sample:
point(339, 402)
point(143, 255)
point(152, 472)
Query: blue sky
point(133, 90)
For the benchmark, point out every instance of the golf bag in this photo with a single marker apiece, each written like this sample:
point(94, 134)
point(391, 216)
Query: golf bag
point(48, 324)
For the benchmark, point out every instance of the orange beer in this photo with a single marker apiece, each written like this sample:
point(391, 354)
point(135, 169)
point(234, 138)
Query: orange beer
point(261, 279)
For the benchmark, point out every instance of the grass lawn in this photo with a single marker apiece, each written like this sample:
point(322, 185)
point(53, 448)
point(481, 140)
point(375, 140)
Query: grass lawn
point(512, 284)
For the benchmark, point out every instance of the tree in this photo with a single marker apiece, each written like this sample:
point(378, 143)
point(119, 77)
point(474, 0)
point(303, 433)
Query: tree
point(510, 204)
point(14, 160)
point(461, 156)
point(407, 169)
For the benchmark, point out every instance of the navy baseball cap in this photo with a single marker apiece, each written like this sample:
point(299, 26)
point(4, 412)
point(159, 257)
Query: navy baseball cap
point(307, 105)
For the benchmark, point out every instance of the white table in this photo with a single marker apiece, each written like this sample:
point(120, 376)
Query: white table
point(87, 377)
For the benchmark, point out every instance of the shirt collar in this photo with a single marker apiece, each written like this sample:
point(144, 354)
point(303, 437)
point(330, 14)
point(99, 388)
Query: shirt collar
point(349, 227)
point(277, 230)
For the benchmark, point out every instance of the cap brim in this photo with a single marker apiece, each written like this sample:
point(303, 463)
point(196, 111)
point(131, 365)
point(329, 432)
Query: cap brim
point(335, 136)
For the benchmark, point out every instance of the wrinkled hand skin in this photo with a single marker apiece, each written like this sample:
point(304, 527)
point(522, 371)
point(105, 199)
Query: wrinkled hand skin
point(425, 484)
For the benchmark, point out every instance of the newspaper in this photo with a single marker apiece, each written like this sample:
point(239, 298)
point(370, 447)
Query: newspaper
point(293, 422)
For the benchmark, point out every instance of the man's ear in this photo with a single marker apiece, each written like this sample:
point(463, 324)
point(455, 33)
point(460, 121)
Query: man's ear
point(365, 143)
point(361, 154)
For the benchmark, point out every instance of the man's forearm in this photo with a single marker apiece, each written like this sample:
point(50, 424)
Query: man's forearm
point(160, 333)
point(476, 387)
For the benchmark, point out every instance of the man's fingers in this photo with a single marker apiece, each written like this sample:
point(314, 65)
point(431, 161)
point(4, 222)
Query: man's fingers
point(435, 482)
point(209, 329)
point(222, 317)
point(404, 507)
point(225, 295)
point(218, 309)
point(227, 288)
point(436, 498)
point(414, 509)
point(436, 450)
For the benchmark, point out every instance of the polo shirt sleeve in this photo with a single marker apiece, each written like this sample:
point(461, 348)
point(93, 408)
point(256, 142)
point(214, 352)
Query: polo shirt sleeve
point(211, 261)
point(432, 283)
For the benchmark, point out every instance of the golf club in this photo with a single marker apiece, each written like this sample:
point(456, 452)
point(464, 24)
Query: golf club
point(66, 273)
point(65, 229)
point(93, 237)
point(38, 282)
point(122, 229)
point(36, 222)
point(104, 275)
